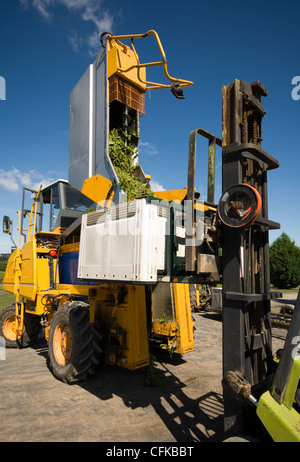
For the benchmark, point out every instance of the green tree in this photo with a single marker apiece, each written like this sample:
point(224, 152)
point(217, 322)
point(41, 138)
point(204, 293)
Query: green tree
point(284, 263)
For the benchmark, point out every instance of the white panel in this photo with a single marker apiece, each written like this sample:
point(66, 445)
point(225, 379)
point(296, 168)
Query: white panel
point(127, 243)
point(89, 125)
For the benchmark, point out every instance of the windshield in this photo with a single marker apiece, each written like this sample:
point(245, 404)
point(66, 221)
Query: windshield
point(55, 205)
point(75, 200)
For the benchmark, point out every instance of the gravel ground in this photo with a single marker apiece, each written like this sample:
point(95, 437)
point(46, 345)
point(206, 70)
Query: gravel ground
point(116, 405)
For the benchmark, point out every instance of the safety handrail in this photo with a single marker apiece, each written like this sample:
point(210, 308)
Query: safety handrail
point(151, 85)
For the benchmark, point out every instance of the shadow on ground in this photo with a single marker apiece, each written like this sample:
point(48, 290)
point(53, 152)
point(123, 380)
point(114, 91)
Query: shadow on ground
point(188, 418)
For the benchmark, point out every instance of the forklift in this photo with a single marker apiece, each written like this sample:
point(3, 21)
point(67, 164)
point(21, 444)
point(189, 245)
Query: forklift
point(261, 390)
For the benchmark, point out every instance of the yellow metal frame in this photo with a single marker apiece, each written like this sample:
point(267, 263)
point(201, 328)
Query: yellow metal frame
point(20, 305)
point(21, 275)
point(112, 40)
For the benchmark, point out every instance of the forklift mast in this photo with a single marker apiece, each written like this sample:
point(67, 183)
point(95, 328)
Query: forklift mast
point(243, 209)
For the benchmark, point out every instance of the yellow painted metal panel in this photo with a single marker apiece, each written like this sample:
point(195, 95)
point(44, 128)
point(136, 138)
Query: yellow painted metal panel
point(98, 188)
point(112, 57)
point(13, 271)
point(184, 318)
point(178, 195)
point(119, 59)
point(172, 318)
point(121, 311)
point(283, 424)
point(73, 247)
point(292, 385)
point(28, 280)
point(174, 195)
point(69, 289)
point(131, 316)
point(43, 273)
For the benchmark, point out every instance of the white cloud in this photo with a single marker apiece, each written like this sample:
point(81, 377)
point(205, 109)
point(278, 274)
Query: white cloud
point(147, 148)
point(75, 40)
point(24, 3)
point(89, 10)
point(13, 180)
point(155, 186)
point(42, 7)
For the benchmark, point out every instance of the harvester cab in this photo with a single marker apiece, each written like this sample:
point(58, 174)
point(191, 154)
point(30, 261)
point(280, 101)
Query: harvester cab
point(58, 205)
point(65, 204)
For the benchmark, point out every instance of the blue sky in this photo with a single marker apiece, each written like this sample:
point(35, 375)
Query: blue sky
point(46, 46)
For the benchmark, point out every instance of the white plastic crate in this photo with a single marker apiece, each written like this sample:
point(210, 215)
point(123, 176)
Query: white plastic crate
point(125, 243)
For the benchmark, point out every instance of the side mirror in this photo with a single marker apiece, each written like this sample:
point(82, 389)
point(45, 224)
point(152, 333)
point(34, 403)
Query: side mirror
point(6, 224)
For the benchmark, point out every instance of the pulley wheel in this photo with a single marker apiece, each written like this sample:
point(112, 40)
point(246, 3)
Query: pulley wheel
point(239, 206)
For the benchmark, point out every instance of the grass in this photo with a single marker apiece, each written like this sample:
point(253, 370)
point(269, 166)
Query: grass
point(285, 291)
point(1, 278)
point(6, 298)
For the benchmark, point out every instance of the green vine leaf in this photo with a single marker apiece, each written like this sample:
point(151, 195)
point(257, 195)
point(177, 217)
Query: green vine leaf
point(122, 152)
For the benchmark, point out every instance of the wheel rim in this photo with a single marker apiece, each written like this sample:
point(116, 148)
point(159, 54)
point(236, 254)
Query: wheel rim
point(9, 329)
point(62, 343)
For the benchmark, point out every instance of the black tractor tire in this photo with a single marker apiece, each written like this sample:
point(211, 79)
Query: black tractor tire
point(74, 345)
point(7, 331)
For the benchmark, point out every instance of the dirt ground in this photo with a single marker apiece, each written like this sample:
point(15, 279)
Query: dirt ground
point(116, 406)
